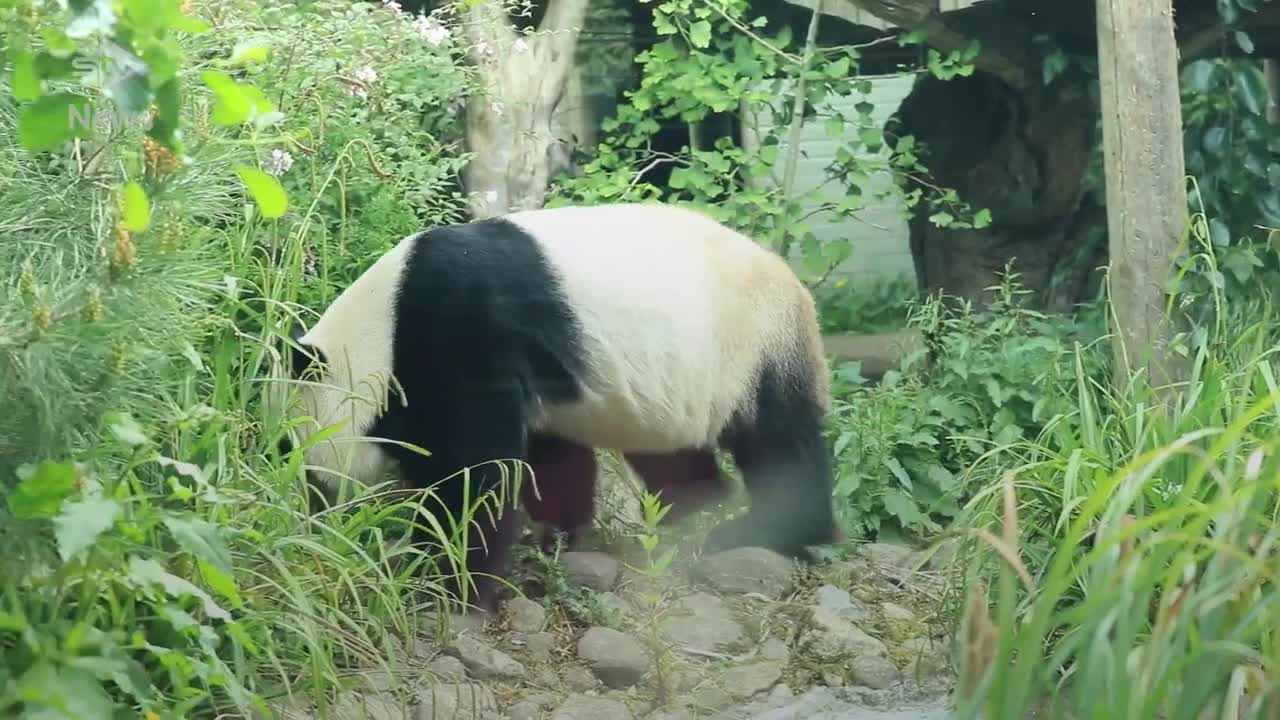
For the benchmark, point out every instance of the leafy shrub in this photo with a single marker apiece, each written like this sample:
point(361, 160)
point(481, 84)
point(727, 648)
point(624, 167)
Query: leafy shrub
point(160, 558)
point(997, 376)
point(1127, 562)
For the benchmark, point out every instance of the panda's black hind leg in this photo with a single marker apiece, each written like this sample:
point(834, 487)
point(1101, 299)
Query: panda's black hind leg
point(786, 468)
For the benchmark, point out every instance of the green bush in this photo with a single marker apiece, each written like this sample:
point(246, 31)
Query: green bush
point(996, 376)
point(159, 555)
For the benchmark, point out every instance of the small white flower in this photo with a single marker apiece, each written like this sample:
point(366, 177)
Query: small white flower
point(491, 196)
point(520, 45)
point(366, 75)
point(484, 48)
point(496, 107)
point(280, 162)
point(430, 30)
point(393, 6)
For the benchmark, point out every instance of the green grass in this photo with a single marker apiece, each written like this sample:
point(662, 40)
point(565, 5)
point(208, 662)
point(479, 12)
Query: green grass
point(1125, 559)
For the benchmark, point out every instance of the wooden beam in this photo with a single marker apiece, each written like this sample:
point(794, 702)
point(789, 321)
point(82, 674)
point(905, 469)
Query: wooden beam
point(1145, 179)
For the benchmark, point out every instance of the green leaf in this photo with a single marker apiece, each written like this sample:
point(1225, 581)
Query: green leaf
point(246, 53)
point(41, 492)
point(232, 104)
point(1251, 88)
point(26, 79)
point(126, 430)
point(1244, 41)
point(137, 209)
point(202, 539)
point(222, 583)
point(80, 524)
point(47, 123)
point(62, 692)
point(266, 192)
point(834, 126)
point(700, 34)
point(149, 572)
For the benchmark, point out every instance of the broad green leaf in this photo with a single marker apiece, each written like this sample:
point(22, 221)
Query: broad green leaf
point(164, 125)
point(149, 572)
point(41, 492)
point(54, 119)
point(246, 52)
point(700, 34)
point(834, 126)
point(233, 106)
point(265, 191)
point(80, 524)
point(202, 539)
point(146, 16)
point(1251, 88)
point(137, 209)
point(222, 583)
point(26, 79)
point(66, 692)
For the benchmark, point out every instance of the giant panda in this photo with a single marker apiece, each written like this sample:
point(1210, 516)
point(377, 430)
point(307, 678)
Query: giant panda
point(647, 329)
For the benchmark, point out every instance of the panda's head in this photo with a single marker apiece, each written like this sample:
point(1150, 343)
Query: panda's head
point(319, 402)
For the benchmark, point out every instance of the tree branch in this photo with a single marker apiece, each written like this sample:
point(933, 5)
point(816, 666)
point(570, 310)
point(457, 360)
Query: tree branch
point(556, 44)
point(1004, 44)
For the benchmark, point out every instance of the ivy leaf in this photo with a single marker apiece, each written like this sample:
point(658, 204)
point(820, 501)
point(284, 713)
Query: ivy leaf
point(266, 192)
point(54, 119)
point(1244, 41)
point(80, 524)
point(700, 34)
point(40, 493)
point(137, 209)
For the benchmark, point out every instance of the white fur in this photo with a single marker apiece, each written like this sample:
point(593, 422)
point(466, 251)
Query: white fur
point(678, 312)
point(355, 334)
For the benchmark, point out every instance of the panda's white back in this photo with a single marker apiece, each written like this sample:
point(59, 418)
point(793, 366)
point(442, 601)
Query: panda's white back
point(676, 312)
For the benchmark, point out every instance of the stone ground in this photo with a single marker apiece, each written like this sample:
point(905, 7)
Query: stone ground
point(741, 635)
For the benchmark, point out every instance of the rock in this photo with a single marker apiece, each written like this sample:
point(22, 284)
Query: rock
point(874, 671)
point(455, 701)
point(540, 646)
point(671, 714)
point(484, 662)
point(525, 615)
point(584, 707)
point(372, 707)
point(547, 678)
point(782, 692)
point(711, 698)
point(747, 680)
point(774, 649)
point(447, 668)
point(611, 603)
point(833, 638)
point(703, 622)
point(380, 681)
point(746, 570)
point(845, 605)
point(577, 678)
point(594, 570)
point(887, 554)
point(944, 556)
point(618, 659)
point(923, 656)
point(524, 710)
point(896, 613)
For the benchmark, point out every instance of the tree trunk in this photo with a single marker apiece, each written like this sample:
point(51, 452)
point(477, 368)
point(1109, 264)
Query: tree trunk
point(510, 125)
point(1146, 184)
point(1022, 154)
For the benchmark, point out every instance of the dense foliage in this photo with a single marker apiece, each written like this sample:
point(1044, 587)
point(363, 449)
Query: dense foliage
point(251, 159)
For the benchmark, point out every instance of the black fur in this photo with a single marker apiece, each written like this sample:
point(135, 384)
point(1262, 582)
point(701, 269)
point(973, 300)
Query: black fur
point(481, 329)
point(786, 469)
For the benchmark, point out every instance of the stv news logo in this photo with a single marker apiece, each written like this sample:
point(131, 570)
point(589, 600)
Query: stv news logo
point(116, 73)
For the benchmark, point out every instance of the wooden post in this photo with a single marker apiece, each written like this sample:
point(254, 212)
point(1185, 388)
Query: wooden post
point(1145, 178)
